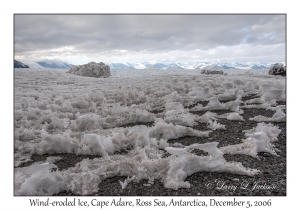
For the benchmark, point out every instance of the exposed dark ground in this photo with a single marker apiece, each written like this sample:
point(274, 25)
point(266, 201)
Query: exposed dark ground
point(270, 182)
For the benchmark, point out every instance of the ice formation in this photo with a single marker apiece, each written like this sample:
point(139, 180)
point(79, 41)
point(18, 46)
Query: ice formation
point(163, 130)
point(138, 112)
point(279, 116)
point(214, 125)
point(232, 116)
point(200, 95)
point(215, 104)
point(38, 179)
point(126, 182)
point(186, 164)
point(207, 117)
point(176, 114)
point(259, 139)
point(231, 94)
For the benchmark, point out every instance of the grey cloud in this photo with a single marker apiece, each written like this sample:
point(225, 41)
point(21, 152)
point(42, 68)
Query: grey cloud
point(140, 33)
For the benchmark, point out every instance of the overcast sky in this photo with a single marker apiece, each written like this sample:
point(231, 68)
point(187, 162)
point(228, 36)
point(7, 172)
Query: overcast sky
point(79, 39)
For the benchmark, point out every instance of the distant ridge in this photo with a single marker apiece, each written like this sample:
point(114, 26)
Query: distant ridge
point(18, 64)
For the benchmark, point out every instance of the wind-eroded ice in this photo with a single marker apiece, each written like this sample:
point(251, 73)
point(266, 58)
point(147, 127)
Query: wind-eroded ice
point(56, 112)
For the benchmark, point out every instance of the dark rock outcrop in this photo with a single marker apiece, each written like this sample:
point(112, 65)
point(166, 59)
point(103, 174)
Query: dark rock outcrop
point(18, 64)
point(278, 69)
point(91, 69)
point(212, 72)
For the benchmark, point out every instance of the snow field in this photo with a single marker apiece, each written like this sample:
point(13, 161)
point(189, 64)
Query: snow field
point(59, 113)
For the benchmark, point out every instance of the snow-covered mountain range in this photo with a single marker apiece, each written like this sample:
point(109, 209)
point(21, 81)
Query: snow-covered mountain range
point(55, 65)
point(46, 64)
point(187, 65)
point(160, 65)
